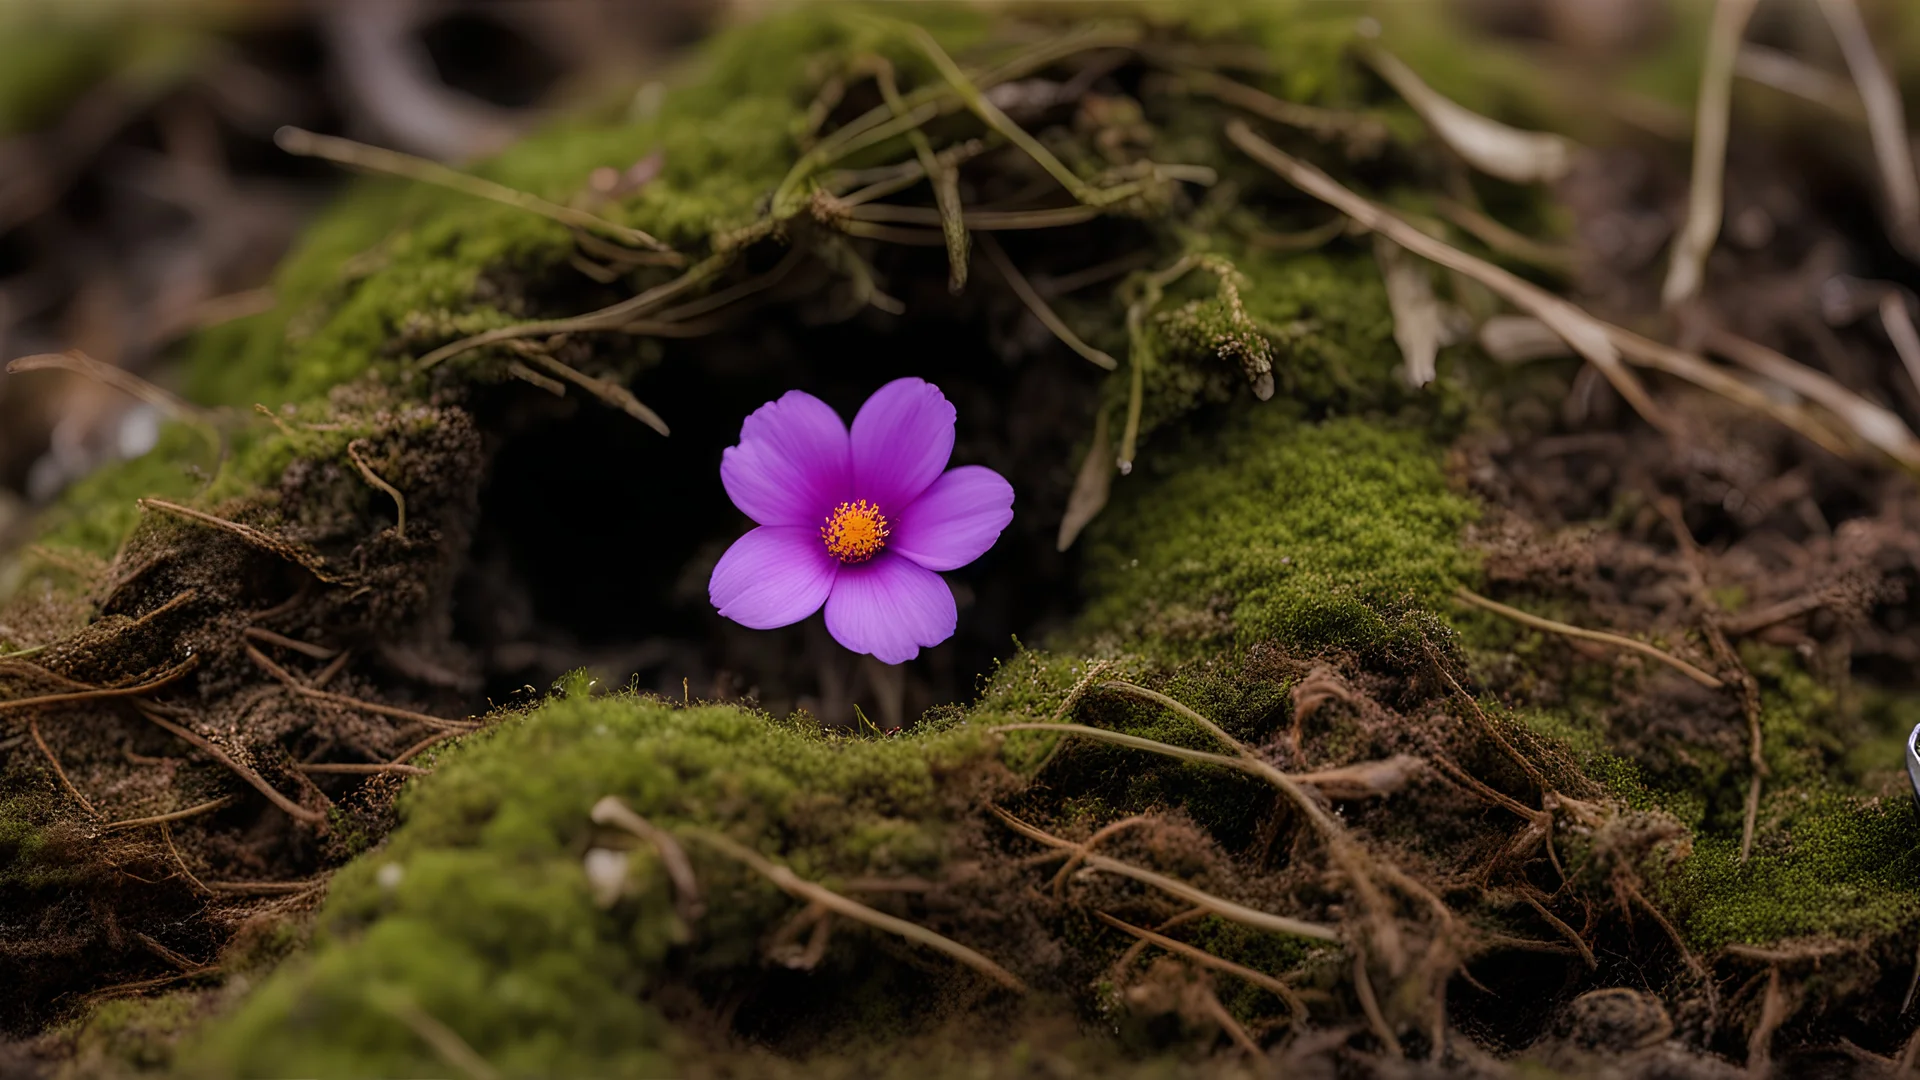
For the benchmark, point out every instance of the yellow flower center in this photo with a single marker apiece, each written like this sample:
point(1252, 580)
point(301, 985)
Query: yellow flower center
point(855, 531)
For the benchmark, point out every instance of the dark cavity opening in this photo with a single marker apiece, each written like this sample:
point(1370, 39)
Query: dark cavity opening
point(596, 535)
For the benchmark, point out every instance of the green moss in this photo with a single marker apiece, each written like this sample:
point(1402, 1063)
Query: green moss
point(477, 911)
point(1826, 864)
point(1270, 527)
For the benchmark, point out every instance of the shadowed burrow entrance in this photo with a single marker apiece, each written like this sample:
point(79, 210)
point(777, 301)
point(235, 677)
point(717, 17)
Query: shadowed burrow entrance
point(597, 535)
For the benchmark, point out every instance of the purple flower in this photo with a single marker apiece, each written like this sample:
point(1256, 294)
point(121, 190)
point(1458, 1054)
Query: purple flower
point(858, 521)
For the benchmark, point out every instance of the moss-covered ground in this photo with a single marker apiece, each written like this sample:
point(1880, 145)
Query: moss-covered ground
point(1483, 823)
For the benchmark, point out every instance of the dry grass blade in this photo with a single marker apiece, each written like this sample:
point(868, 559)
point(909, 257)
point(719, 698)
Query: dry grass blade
point(201, 743)
point(33, 728)
point(354, 768)
point(1363, 134)
point(802, 889)
point(1886, 122)
point(1206, 959)
point(525, 374)
point(1523, 157)
point(119, 378)
point(1091, 486)
point(1877, 426)
point(260, 659)
point(305, 648)
point(169, 676)
point(294, 553)
point(1226, 909)
point(1025, 291)
point(1518, 339)
point(1135, 742)
point(1684, 365)
point(1512, 244)
point(1617, 641)
point(1370, 1005)
point(1687, 267)
point(1587, 335)
point(157, 819)
point(686, 887)
point(1791, 75)
point(612, 393)
point(367, 473)
point(1105, 832)
point(358, 155)
point(944, 179)
point(1898, 321)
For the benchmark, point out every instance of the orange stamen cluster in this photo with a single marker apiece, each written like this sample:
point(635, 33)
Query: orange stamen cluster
point(855, 531)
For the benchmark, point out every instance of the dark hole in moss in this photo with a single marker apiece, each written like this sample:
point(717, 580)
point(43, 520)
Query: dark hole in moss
point(596, 535)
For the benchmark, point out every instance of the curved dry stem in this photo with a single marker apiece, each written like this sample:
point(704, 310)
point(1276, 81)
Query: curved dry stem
point(1617, 641)
point(171, 675)
point(1687, 267)
point(356, 768)
point(285, 677)
point(802, 889)
point(1226, 909)
point(1024, 290)
point(297, 554)
point(195, 739)
point(1107, 831)
point(159, 819)
point(119, 378)
point(303, 143)
point(367, 473)
point(33, 728)
point(1206, 959)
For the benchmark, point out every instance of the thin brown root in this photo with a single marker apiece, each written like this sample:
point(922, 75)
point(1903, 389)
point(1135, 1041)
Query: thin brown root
point(327, 673)
point(294, 553)
point(1235, 1031)
point(1693, 963)
point(1370, 1005)
point(1506, 241)
point(306, 648)
point(686, 887)
point(1137, 743)
point(1106, 831)
point(412, 751)
point(160, 819)
point(1908, 1054)
point(1036, 304)
point(367, 473)
point(801, 889)
point(525, 374)
point(165, 678)
point(1486, 722)
point(1226, 909)
point(1687, 267)
point(200, 742)
point(166, 834)
point(1872, 424)
point(355, 768)
point(377, 159)
point(1617, 641)
point(1568, 932)
point(1206, 959)
point(1140, 944)
point(33, 728)
point(286, 678)
point(166, 954)
point(266, 888)
point(442, 1039)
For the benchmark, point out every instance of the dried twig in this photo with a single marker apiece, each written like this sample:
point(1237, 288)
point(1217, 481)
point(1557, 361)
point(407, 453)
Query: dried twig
point(1705, 198)
point(1617, 641)
point(610, 392)
point(358, 768)
point(1494, 148)
point(366, 472)
point(944, 179)
point(285, 677)
point(1876, 425)
point(803, 889)
point(295, 553)
point(377, 159)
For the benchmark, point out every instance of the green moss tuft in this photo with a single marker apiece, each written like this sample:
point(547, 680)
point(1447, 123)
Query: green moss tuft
point(1322, 536)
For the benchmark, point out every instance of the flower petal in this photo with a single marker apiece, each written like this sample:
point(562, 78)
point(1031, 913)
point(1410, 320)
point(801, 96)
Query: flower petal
point(890, 607)
point(791, 467)
point(773, 576)
point(902, 438)
point(955, 520)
